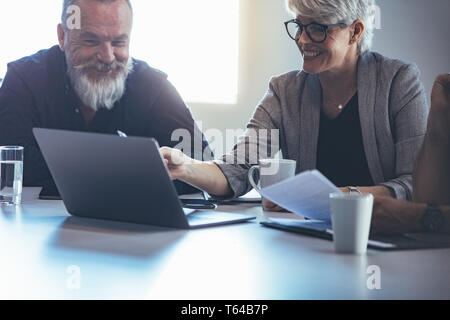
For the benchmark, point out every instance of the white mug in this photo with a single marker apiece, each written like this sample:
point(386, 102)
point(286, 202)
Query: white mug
point(351, 215)
point(271, 171)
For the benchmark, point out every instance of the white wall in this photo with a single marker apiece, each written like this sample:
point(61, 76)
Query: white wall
point(412, 30)
point(416, 31)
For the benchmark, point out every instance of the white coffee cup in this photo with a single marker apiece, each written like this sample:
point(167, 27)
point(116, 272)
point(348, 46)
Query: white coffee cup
point(271, 171)
point(351, 214)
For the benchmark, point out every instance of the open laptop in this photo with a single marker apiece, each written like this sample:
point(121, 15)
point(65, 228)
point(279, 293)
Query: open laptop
point(124, 179)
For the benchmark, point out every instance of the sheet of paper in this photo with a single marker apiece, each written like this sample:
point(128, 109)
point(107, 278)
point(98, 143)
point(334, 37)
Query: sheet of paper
point(307, 194)
point(252, 195)
point(197, 195)
point(188, 211)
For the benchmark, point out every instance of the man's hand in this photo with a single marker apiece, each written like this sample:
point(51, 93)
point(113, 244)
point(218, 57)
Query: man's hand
point(391, 216)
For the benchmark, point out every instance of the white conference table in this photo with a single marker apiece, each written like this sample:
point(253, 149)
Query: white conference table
point(47, 254)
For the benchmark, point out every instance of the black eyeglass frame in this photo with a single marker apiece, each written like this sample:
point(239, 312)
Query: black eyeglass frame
point(305, 27)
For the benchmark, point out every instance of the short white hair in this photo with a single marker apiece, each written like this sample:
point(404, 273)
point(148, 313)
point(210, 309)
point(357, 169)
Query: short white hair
point(338, 11)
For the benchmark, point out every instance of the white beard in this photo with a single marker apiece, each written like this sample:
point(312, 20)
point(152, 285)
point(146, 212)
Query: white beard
point(103, 93)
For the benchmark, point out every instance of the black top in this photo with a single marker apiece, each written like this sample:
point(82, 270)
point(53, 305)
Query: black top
point(340, 151)
point(36, 92)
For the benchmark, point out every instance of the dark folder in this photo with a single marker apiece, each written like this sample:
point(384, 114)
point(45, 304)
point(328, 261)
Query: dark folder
point(407, 241)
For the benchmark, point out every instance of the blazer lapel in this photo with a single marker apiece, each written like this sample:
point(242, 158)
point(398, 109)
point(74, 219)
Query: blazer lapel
point(311, 103)
point(367, 87)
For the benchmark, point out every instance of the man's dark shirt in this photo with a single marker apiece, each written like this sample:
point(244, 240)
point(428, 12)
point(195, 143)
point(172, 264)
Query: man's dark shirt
point(36, 92)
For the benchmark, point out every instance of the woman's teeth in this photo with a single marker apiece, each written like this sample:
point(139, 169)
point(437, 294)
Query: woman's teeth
point(311, 53)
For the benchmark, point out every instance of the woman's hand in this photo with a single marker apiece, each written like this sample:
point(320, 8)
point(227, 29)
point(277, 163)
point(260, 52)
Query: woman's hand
point(270, 206)
point(177, 162)
point(203, 175)
point(376, 191)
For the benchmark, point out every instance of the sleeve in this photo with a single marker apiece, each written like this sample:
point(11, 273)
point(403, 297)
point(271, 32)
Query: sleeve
point(261, 139)
point(17, 118)
point(408, 100)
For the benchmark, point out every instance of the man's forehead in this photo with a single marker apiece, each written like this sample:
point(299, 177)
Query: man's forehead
point(97, 31)
point(105, 15)
point(104, 29)
point(89, 33)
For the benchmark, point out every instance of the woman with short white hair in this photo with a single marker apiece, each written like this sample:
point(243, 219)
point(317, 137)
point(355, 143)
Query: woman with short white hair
point(353, 114)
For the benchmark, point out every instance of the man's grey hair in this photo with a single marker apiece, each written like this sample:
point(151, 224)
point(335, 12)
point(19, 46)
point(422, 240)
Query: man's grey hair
point(338, 11)
point(68, 3)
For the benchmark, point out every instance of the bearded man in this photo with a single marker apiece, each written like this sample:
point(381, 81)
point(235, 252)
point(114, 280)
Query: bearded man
point(90, 83)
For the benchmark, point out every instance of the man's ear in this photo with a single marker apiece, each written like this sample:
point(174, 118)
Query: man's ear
point(61, 36)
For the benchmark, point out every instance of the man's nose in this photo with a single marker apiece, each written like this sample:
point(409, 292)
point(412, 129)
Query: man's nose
point(106, 53)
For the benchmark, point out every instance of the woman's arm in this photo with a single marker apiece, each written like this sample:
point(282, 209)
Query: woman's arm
point(408, 111)
point(228, 178)
point(377, 191)
point(201, 174)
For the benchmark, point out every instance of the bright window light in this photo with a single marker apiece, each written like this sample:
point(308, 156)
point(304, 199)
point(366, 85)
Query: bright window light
point(27, 27)
point(195, 42)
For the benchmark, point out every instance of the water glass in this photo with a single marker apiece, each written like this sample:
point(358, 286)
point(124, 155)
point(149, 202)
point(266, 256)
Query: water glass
point(11, 172)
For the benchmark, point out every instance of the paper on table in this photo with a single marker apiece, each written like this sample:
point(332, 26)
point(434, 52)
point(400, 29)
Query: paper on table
point(250, 196)
point(188, 211)
point(307, 194)
point(190, 196)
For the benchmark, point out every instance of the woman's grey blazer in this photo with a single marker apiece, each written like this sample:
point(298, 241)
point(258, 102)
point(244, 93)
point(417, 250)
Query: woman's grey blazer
point(393, 112)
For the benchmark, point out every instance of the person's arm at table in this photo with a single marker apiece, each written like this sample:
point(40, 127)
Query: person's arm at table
point(431, 178)
point(399, 216)
point(377, 191)
point(228, 178)
point(205, 175)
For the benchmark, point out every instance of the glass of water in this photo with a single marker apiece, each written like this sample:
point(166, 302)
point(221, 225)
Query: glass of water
point(11, 171)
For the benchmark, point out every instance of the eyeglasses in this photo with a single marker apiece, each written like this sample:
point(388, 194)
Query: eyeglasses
point(316, 32)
